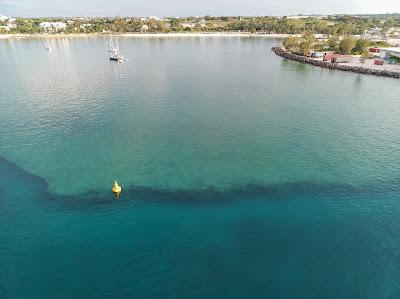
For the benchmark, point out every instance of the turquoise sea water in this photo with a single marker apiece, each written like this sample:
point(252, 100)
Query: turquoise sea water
point(244, 175)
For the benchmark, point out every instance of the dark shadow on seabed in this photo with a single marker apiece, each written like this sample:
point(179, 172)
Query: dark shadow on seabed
point(331, 241)
point(14, 177)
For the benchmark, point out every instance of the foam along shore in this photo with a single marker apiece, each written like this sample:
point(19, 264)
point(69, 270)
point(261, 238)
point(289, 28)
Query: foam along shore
point(347, 67)
point(137, 34)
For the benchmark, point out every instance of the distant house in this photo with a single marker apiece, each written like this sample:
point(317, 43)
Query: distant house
point(11, 25)
point(188, 25)
point(374, 31)
point(53, 25)
point(320, 36)
point(387, 53)
point(45, 25)
point(59, 25)
point(393, 41)
point(155, 18)
point(298, 17)
point(83, 26)
point(145, 28)
point(201, 22)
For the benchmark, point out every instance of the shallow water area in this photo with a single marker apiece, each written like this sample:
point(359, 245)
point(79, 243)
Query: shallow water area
point(243, 175)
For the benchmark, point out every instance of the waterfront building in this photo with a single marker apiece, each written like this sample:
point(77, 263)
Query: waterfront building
point(83, 26)
point(386, 53)
point(188, 25)
point(53, 25)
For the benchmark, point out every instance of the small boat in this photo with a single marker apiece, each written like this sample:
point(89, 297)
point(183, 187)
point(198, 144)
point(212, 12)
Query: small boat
point(116, 189)
point(118, 58)
point(48, 48)
point(114, 49)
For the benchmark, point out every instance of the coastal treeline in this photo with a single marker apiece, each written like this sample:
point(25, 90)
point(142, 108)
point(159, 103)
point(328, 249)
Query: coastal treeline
point(329, 25)
point(341, 25)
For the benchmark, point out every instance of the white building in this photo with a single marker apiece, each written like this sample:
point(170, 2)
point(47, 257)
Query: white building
point(53, 25)
point(155, 18)
point(11, 25)
point(374, 31)
point(3, 18)
point(188, 25)
point(83, 26)
point(45, 25)
point(202, 22)
point(387, 52)
point(298, 17)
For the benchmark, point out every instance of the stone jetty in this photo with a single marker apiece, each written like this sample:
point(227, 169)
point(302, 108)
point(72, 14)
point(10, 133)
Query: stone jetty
point(337, 66)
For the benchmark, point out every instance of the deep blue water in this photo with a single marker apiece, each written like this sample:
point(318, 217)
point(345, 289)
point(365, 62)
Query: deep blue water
point(244, 175)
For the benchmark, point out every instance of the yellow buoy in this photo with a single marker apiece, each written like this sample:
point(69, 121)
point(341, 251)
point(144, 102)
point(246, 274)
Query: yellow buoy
point(116, 189)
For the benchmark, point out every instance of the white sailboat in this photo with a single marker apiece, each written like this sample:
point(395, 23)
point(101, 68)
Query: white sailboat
point(112, 45)
point(114, 50)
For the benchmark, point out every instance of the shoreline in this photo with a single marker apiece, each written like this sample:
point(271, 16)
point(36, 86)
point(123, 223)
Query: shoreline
point(137, 34)
point(341, 67)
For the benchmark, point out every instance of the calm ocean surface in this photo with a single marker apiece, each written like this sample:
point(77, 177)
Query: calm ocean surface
point(244, 175)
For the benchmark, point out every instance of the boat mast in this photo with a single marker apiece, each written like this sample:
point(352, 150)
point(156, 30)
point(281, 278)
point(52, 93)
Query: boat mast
point(110, 43)
point(116, 46)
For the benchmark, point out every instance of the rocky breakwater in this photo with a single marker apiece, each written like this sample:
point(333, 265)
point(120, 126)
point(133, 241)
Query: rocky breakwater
point(325, 64)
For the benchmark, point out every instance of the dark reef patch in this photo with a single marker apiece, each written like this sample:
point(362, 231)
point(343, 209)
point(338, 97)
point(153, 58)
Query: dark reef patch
point(15, 177)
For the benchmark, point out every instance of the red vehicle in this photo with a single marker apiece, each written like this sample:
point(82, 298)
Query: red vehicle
point(329, 56)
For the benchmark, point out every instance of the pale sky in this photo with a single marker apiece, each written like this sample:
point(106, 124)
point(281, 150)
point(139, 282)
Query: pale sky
point(192, 7)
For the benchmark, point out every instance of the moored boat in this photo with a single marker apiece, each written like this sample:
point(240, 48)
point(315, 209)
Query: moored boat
point(114, 49)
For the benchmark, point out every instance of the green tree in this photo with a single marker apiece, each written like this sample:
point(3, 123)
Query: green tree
point(307, 42)
point(333, 41)
point(360, 46)
point(291, 43)
point(346, 45)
